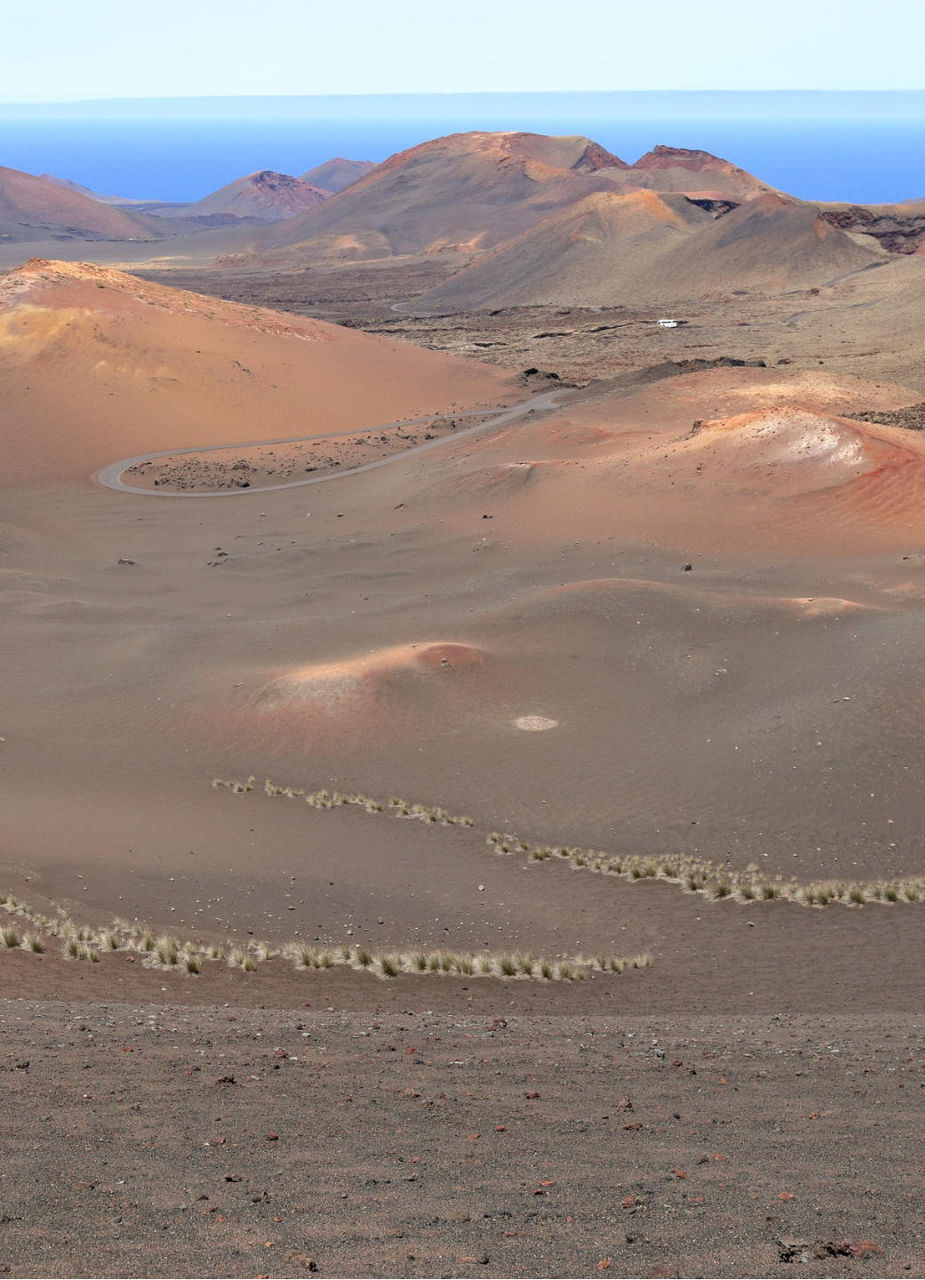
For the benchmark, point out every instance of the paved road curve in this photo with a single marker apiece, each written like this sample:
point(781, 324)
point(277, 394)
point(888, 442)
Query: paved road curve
point(111, 477)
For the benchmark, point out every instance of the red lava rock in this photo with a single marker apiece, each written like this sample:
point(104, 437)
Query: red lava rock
point(531, 1096)
point(679, 1173)
point(474, 1137)
point(272, 1137)
point(785, 1195)
point(411, 1051)
point(605, 1264)
point(863, 1248)
point(630, 1202)
point(499, 1128)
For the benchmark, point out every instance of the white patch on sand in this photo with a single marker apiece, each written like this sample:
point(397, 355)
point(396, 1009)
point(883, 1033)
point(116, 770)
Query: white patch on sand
point(535, 724)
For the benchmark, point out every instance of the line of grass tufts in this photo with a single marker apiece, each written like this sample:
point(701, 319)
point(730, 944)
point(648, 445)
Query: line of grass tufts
point(717, 884)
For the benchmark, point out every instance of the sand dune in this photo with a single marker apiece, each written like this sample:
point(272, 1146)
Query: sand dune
point(97, 366)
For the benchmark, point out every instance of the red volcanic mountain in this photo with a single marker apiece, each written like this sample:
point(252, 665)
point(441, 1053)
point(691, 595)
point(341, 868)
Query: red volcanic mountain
point(33, 208)
point(474, 191)
point(695, 173)
point(268, 196)
point(468, 191)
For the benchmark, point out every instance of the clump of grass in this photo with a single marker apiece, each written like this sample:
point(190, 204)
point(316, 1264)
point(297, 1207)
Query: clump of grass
point(364, 958)
point(390, 966)
point(33, 943)
point(565, 971)
point(167, 952)
point(9, 936)
point(547, 971)
point(508, 966)
point(526, 965)
point(486, 964)
point(192, 962)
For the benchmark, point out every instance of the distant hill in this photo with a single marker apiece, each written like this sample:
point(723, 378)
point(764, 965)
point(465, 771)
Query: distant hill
point(471, 192)
point(468, 191)
point(86, 191)
point(33, 208)
point(265, 196)
point(337, 174)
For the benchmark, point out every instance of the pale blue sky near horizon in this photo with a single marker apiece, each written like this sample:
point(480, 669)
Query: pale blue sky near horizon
point(100, 49)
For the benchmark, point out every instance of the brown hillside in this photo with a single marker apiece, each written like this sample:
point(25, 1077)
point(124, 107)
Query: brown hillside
point(587, 255)
point(468, 191)
point(613, 250)
point(337, 174)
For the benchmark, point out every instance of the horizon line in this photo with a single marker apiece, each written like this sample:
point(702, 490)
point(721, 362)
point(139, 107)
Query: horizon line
point(465, 93)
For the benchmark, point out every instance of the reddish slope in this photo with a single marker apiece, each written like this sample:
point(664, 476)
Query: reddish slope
point(96, 366)
point(31, 207)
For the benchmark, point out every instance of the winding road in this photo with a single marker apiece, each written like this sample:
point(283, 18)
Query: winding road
point(111, 477)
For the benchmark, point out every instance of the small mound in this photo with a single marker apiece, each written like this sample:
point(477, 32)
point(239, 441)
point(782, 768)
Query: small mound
point(329, 684)
point(535, 724)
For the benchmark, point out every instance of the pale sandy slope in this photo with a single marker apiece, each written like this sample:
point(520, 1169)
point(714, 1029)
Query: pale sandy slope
point(97, 365)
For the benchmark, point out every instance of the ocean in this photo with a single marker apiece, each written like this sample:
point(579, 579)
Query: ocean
point(867, 161)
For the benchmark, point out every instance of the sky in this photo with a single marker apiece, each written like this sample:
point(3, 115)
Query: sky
point(55, 51)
